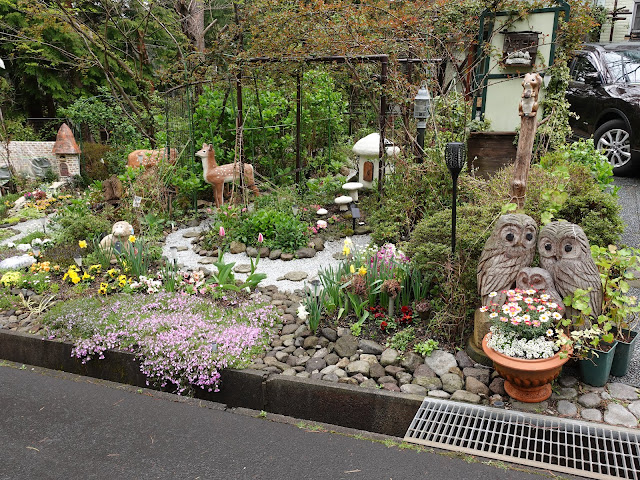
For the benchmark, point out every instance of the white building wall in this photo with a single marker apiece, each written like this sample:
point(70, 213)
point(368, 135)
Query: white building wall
point(21, 154)
point(621, 27)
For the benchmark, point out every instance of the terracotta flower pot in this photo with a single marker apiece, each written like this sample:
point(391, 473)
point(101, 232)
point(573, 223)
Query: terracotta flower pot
point(526, 380)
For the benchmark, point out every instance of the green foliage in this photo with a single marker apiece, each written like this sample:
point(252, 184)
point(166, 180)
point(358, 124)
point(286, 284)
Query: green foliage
point(7, 202)
point(269, 128)
point(585, 153)
point(27, 239)
point(617, 268)
point(103, 115)
point(555, 130)
point(401, 339)
point(280, 229)
point(425, 348)
point(76, 222)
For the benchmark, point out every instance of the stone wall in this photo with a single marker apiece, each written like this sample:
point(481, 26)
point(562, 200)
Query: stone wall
point(21, 154)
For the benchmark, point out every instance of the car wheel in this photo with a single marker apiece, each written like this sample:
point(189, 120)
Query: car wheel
point(614, 141)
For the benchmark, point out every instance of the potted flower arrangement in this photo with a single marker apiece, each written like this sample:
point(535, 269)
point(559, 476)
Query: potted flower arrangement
point(524, 344)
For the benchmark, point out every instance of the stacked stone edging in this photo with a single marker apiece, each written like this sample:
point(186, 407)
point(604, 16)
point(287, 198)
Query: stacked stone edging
point(335, 356)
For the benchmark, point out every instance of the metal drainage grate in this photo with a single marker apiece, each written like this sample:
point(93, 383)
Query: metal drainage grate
point(568, 446)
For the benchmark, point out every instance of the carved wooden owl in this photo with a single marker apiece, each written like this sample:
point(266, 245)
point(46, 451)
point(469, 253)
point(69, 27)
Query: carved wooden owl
point(508, 250)
point(539, 279)
point(565, 253)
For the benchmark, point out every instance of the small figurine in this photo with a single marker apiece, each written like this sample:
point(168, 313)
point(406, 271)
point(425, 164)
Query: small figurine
point(531, 87)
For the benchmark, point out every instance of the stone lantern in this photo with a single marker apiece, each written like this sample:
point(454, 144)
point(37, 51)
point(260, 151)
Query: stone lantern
point(368, 150)
point(67, 153)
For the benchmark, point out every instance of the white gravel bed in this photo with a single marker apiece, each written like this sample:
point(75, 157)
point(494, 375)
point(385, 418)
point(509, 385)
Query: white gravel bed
point(24, 228)
point(274, 269)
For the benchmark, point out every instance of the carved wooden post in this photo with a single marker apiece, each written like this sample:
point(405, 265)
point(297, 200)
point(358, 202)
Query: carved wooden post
point(528, 109)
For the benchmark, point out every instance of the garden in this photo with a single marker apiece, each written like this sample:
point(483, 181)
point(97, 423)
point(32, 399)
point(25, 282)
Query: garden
point(89, 262)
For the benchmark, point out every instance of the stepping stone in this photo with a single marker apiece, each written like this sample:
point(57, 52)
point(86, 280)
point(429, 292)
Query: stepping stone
point(193, 234)
point(591, 414)
point(618, 415)
point(567, 408)
point(622, 391)
point(182, 248)
point(243, 268)
point(294, 276)
point(207, 260)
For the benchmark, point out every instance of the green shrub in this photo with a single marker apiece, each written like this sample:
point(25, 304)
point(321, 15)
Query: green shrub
point(7, 202)
point(280, 230)
point(81, 227)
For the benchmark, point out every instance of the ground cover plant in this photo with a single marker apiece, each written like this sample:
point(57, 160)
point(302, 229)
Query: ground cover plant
point(182, 342)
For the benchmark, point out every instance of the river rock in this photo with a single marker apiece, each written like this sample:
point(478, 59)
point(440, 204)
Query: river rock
point(389, 357)
point(305, 252)
point(346, 346)
point(286, 256)
point(376, 370)
point(17, 262)
point(480, 374)
point(371, 347)
point(237, 247)
point(359, 366)
point(275, 254)
point(411, 361)
point(242, 268)
point(315, 364)
point(413, 389)
point(441, 362)
point(451, 382)
point(294, 276)
point(329, 333)
point(474, 385)
point(464, 396)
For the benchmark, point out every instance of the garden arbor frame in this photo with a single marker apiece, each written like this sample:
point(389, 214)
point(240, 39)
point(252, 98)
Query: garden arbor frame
point(382, 116)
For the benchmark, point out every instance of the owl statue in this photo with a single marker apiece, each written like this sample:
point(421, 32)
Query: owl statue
point(539, 279)
point(508, 250)
point(564, 251)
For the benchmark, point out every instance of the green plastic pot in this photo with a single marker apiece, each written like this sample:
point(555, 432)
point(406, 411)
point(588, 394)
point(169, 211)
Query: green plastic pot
point(595, 370)
point(622, 357)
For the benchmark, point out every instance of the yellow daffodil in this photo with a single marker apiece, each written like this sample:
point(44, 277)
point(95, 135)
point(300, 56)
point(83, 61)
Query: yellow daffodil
point(82, 244)
point(352, 269)
point(362, 271)
point(132, 238)
point(346, 250)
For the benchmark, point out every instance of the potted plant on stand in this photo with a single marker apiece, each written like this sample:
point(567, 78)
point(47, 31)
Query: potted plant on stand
point(617, 268)
point(526, 348)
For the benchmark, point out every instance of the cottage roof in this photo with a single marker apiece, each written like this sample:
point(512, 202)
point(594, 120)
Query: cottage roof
point(369, 146)
point(65, 142)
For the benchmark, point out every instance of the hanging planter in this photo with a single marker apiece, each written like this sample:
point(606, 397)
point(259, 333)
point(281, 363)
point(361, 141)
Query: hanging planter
point(594, 369)
point(526, 380)
point(623, 353)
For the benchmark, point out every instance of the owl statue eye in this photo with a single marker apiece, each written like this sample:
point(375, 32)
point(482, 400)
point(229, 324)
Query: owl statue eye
point(529, 236)
point(568, 248)
point(510, 237)
point(547, 246)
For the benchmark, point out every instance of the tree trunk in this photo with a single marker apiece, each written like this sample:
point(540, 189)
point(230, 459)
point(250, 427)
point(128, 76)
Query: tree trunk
point(192, 19)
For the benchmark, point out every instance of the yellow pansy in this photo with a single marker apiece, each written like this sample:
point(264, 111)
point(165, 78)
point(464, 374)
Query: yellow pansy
point(82, 244)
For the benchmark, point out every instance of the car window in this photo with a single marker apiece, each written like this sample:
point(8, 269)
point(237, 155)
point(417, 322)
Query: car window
point(624, 66)
point(581, 67)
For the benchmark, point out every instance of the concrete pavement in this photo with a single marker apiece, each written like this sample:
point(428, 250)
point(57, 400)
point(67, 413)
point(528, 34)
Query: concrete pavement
point(56, 425)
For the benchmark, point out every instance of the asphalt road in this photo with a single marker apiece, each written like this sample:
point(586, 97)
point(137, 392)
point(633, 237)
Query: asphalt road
point(56, 425)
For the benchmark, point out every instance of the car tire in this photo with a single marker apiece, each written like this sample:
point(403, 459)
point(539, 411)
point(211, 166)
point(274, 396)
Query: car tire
point(613, 139)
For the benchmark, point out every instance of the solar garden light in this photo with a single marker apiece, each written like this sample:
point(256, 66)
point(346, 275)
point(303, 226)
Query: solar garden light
point(78, 259)
point(294, 209)
point(454, 158)
point(421, 112)
point(173, 256)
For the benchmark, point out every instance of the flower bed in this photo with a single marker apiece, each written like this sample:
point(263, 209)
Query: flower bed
point(181, 341)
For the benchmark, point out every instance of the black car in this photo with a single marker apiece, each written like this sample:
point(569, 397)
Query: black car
point(604, 91)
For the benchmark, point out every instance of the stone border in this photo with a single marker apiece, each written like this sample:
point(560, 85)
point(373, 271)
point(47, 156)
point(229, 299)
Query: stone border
point(338, 404)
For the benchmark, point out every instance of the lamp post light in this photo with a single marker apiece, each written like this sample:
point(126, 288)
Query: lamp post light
point(421, 112)
point(454, 158)
point(294, 209)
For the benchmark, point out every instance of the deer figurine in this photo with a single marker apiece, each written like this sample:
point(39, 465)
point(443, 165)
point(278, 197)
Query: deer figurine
point(217, 175)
